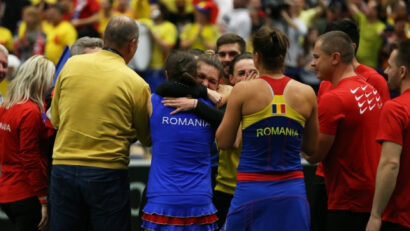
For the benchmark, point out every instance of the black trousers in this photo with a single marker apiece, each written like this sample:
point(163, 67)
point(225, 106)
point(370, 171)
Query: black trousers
point(387, 226)
point(343, 220)
point(318, 203)
point(25, 214)
point(222, 201)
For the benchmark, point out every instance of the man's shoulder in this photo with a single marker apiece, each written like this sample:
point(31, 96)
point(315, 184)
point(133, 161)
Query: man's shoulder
point(346, 89)
point(369, 73)
point(402, 100)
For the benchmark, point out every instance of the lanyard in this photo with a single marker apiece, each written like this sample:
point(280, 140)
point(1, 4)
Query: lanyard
point(112, 50)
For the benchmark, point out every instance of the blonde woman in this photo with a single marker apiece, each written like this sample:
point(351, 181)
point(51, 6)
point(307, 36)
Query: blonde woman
point(23, 143)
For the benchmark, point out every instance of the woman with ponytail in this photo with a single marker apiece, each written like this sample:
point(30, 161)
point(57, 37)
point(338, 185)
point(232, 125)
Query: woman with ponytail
point(23, 146)
point(179, 185)
point(278, 116)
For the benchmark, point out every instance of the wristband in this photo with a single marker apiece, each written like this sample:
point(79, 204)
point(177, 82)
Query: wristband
point(43, 201)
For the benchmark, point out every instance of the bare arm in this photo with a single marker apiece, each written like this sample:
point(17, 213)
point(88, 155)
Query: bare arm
point(86, 21)
point(324, 144)
point(321, 8)
point(311, 131)
point(163, 45)
point(227, 131)
point(353, 9)
point(209, 46)
point(238, 139)
point(386, 178)
point(288, 19)
point(186, 43)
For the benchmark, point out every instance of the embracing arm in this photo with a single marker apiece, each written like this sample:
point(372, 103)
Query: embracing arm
point(176, 89)
point(227, 131)
point(211, 114)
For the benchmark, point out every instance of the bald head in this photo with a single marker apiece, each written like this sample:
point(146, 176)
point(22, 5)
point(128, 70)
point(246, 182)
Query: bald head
point(120, 31)
point(3, 62)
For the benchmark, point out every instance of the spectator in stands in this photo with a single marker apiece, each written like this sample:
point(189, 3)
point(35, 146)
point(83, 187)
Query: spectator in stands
point(371, 29)
point(3, 71)
point(286, 18)
point(164, 36)
point(201, 34)
point(305, 57)
point(141, 8)
point(61, 34)
point(238, 20)
point(123, 7)
point(83, 15)
point(105, 14)
point(6, 38)
point(33, 40)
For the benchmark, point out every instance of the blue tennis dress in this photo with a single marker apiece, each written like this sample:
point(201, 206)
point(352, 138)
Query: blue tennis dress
point(179, 185)
point(270, 192)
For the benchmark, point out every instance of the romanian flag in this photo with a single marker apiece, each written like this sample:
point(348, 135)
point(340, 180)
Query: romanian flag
point(279, 108)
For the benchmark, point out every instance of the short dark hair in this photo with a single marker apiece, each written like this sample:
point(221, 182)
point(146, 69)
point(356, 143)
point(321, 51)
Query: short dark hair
point(231, 38)
point(238, 58)
point(403, 53)
point(337, 41)
point(271, 44)
point(120, 30)
point(347, 26)
point(181, 66)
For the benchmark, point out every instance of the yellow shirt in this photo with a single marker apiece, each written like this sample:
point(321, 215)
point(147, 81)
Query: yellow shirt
point(3, 88)
point(228, 163)
point(171, 6)
point(141, 8)
point(6, 38)
point(104, 21)
point(100, 107)
point(370, 40)
point(64, 34)
point(168, 33)
point(210, 33)
point(45, 26)
point(35, 2)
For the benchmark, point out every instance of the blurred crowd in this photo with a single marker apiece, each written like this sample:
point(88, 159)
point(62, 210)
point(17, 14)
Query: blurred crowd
point(47, 26)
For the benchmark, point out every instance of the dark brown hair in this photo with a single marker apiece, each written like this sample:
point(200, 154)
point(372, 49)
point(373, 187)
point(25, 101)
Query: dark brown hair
point(181, 67)
point(271, 44)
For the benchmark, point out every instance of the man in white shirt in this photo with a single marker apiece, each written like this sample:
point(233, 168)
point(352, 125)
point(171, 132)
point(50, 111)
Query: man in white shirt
point(238, 20)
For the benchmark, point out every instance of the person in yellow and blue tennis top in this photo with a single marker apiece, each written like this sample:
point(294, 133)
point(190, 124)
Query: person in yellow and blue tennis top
point(279, 121)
